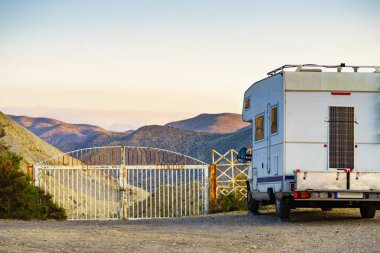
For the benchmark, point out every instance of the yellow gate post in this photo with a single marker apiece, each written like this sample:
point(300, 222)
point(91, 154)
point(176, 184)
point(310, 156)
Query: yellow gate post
point(30, 171)
point(212, 186)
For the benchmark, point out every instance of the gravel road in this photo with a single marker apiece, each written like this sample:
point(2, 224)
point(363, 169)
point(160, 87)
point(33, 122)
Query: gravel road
point(307, 231)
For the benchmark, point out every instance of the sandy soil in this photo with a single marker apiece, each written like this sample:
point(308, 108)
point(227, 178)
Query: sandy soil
point(307, 231)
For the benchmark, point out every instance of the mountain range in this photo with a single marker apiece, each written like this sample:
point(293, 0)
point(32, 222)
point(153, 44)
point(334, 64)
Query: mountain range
point(24, 143)
point(195, 137)
point(212, 123)
point(59, 133)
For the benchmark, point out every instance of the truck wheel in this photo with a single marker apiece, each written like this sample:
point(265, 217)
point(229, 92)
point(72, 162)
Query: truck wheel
point(282, 208)
point(326, 209)
point(368, 211)
point(252, 204)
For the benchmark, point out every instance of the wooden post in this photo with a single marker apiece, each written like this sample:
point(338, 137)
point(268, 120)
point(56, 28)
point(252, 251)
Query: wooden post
point(30, 171)
point(212, 186)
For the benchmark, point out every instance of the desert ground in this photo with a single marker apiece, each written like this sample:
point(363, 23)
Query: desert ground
point(340, 230)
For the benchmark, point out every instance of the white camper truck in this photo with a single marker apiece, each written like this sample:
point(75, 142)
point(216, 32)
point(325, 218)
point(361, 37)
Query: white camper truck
point(316, 138)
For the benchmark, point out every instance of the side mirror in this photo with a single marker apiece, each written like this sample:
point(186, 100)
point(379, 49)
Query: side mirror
point(243, 156)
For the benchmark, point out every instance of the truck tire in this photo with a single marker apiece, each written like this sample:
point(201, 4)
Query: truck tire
point(282, 208)
point(367, 212)
point(252, 204)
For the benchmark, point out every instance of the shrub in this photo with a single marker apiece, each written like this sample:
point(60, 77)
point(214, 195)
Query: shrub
point(229, 203)
point(19, 199)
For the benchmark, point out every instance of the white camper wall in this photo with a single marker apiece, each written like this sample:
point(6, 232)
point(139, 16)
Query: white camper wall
point(307, 113)
point(269, 90)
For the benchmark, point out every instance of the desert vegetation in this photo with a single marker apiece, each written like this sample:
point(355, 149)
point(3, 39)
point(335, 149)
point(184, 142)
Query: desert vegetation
point(19, 199)
point(228, 203)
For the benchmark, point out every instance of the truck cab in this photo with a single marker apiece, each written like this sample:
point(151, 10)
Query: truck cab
point(316, 138)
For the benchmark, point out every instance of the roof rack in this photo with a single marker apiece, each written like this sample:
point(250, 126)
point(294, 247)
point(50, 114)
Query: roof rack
point(301, 67)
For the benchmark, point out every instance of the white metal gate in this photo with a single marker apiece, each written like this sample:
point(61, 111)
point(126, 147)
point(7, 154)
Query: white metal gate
point(125, 183)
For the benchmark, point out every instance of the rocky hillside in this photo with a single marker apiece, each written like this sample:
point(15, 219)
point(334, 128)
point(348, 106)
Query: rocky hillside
point(207, 132)
point(212, 123)
point(24, 143)
point(195, 144)
point(59, 133)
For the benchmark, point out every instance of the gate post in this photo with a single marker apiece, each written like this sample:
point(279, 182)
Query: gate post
point(35, 175)
point(212, 185)
point(30, 172)
point(207, 189)
point(123, 183)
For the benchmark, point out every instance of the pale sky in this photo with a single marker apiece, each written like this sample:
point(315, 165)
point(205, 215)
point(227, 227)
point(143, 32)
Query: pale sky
point(124, 64)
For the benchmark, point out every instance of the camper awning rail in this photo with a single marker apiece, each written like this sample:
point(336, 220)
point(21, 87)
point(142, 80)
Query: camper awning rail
point(306, 67)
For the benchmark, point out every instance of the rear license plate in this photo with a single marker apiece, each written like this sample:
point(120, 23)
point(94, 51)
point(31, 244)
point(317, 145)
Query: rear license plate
point(348, 195)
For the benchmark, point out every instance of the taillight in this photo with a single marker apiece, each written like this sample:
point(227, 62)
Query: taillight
point(302, 195)
point(340, 93)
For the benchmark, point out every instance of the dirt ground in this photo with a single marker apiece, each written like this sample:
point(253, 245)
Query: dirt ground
point(340, 230)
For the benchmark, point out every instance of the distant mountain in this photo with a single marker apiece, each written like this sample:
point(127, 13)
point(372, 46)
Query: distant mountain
point(24, 143)
point(212, 123)
point(195, 144)
point(59, 133)
point(207, 133)
point(129, 131)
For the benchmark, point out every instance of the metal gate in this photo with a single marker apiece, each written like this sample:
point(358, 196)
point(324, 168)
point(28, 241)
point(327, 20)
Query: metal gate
point(125, 183)
point(231, 175)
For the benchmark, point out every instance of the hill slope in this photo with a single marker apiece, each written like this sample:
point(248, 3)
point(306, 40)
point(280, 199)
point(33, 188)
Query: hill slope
point(59, 133)
point(24, 143)
point(212, 123)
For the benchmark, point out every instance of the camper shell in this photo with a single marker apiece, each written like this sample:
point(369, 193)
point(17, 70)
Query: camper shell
point(316, 138)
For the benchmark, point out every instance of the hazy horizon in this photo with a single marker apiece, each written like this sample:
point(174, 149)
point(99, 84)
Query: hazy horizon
point(124, 64)
point(127, 120)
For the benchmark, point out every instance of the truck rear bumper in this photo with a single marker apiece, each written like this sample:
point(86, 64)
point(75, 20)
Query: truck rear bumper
point(337, 196)
point(336, 186)
point(335, 204)
point(337, 181)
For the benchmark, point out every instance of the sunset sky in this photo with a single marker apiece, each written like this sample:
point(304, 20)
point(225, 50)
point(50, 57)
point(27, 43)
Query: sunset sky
point(124, 64)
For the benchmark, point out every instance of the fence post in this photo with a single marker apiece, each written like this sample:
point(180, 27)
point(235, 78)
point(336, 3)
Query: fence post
point(123, 182)
point(36, 176)
point(206, 200)
point(212, 185)
point(30, 172)
point(233, 171)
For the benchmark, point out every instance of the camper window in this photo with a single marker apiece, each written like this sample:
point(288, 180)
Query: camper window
point(247, 103)
point(273, 120)
point(259, 127)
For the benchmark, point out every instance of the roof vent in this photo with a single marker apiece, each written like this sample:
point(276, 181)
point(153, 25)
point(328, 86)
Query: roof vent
point(300, 69)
